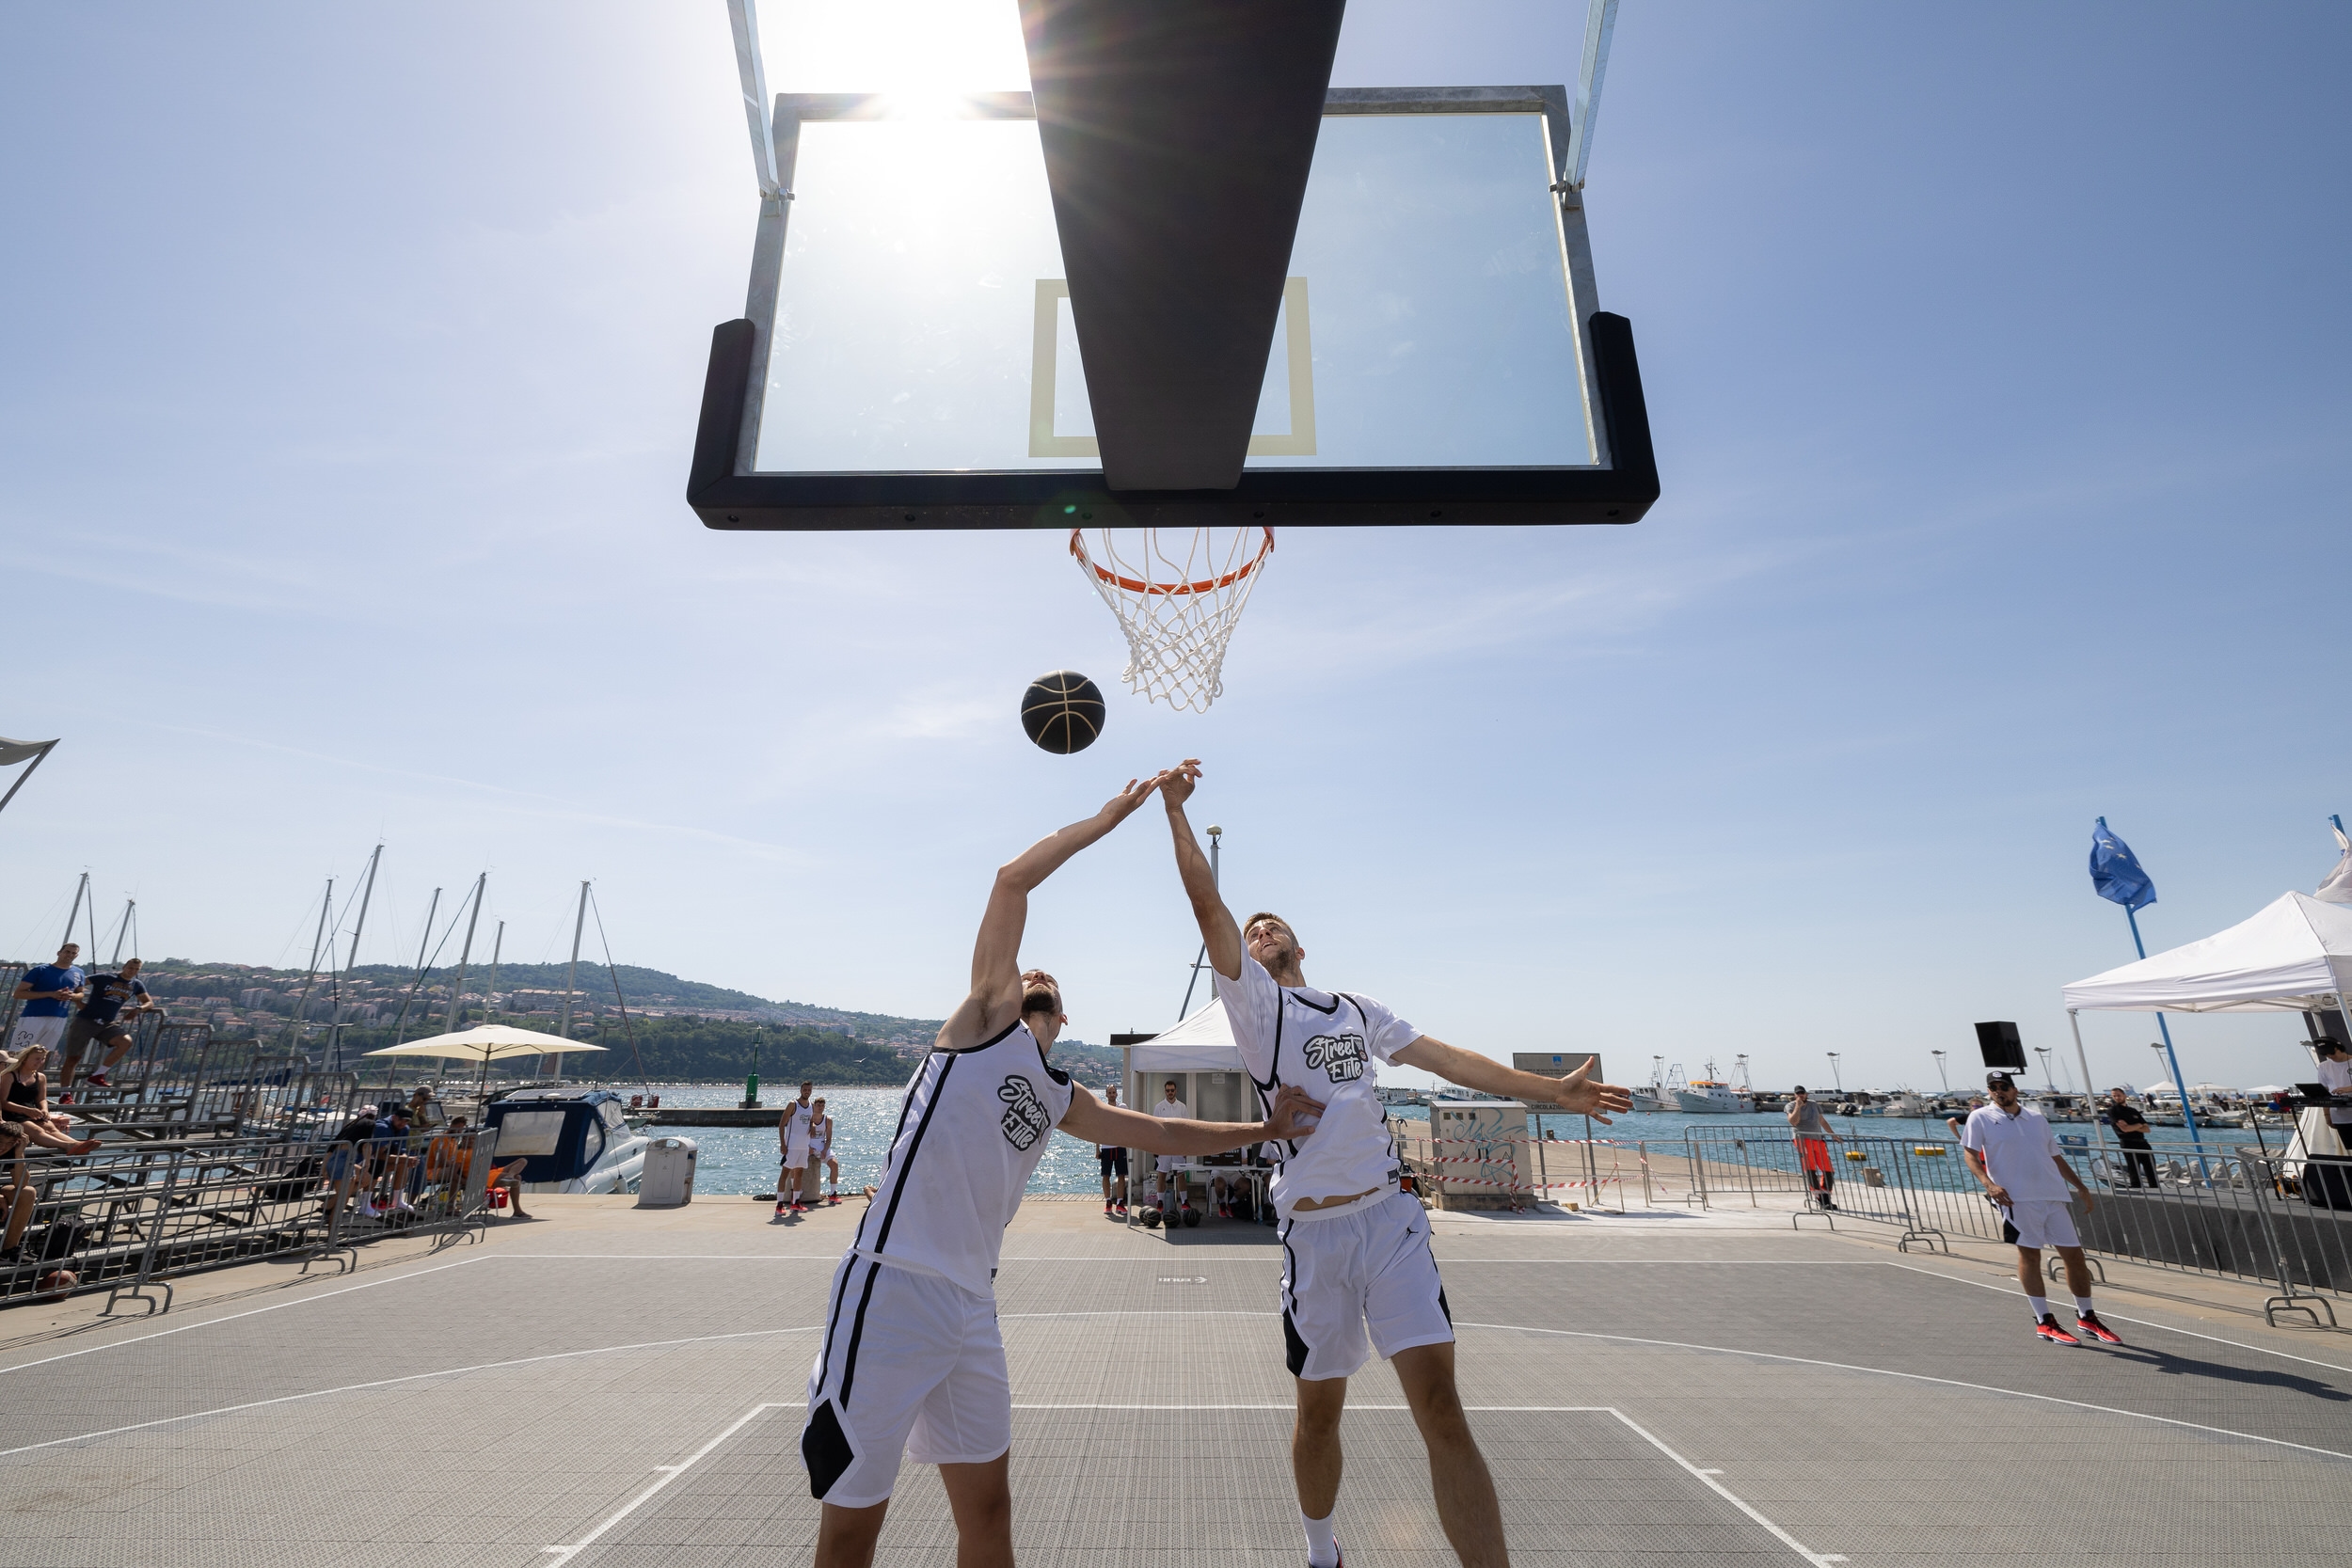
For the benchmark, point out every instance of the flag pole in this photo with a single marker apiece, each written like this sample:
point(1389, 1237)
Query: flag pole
point(2179, 1082)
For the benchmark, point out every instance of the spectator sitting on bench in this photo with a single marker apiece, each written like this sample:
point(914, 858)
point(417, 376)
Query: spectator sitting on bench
point(27, 1105)
point(389, 1158)
point(17, 1188)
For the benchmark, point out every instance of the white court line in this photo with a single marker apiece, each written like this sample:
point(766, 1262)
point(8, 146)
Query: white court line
point(669, 1474)
point(1914, 1377)
point(411, 1377)
point(303, 1301)
point(2143, 1323)
point(1818, 1558)
point(1707, 1477)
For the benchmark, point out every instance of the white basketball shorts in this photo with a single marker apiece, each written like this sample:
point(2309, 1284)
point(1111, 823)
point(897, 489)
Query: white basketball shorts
point(2041, 1223)
point(30, 1032)
point(795, 1150)
point(1358, 1279)
point(911, 1363)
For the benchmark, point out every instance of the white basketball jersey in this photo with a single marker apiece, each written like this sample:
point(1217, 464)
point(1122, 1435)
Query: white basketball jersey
point(971, 1130)
point(1326, 1043)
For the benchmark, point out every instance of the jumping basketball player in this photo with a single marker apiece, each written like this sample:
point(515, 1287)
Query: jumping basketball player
point(912, 1361)
point(1355, 1249)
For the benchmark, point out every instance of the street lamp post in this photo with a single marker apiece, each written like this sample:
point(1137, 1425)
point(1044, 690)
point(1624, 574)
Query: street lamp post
point(1940, 1073)
point(1834, 1076)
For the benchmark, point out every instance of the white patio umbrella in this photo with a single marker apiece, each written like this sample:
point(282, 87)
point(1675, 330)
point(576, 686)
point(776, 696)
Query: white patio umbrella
point(486, 1043)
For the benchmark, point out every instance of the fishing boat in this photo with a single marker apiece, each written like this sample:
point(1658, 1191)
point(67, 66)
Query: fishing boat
point(1655, 1097)
point(1711, 1096)
point(572, 1140)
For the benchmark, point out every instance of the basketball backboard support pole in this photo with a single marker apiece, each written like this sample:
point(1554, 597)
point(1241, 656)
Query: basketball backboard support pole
point(1615, 483)
point(1600, 26)
point(1176, 141)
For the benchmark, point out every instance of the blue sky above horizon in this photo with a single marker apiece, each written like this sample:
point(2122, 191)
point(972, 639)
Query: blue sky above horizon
point(1996, 358)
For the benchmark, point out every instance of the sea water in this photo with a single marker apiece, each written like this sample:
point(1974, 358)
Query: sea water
point(744, 1159)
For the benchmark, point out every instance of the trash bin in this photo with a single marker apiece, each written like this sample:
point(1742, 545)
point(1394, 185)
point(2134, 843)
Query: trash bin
point(669, 1179)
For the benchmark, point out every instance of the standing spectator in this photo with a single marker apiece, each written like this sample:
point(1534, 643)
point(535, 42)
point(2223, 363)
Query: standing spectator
point(1114, 1164)
point(2131, 1133)
point(792, 1134)
point(27, 1105)
point(2011, 1150)
point(1171, 1167)
point(1813, 1133)
point(50, 993)
point(819, 1147)
point(2335, 1072)
point(99, 1022)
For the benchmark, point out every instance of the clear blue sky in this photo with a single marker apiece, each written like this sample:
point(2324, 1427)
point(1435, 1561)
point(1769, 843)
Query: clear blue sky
point(1996, 354)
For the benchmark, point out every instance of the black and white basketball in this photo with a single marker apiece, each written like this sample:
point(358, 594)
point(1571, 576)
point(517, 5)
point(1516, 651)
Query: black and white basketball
point(1062, 711)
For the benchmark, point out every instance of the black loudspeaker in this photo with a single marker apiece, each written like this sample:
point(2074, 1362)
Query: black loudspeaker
point(2328, 1025)
point(2001, 1046)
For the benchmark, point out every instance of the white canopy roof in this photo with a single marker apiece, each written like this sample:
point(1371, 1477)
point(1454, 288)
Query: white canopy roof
point(1203, 1043)
point(2293, 955)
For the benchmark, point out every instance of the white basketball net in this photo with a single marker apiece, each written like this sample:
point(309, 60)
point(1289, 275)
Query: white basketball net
point(1178, 593)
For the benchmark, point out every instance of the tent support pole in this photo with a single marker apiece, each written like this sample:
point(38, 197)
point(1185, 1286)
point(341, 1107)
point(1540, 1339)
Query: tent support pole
point(2180, 1080)
point(2098, 1127)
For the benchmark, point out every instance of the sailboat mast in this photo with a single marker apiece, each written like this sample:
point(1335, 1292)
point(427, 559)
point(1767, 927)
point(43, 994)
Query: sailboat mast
point(326, 906)
point(498, 945)
point(75, 914)
point(580, 924)
point(130, 907)
point(457, 992)
point(351, 961)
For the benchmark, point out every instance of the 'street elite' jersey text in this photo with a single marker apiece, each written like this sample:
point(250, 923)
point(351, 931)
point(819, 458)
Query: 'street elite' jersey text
point(1327, 1043)
point(971, 1132)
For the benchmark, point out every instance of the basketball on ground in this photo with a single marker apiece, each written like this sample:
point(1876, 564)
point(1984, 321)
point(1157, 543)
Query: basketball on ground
point(1062, 711)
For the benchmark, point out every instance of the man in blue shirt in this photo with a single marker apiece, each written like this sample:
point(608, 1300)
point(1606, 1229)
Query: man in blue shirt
point(101, 1019)
point(50, 993)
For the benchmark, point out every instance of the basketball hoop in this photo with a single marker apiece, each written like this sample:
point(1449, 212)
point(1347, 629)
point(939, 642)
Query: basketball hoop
point(1178, 593)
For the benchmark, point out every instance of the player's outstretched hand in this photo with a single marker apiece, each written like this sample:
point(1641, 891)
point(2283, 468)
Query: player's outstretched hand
point(1178, 782)
point(1578, 1093)
point(1122, 805)
point(1294, 1115)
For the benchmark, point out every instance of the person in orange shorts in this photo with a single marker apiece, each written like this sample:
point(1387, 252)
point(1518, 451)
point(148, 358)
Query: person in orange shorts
point(1814, 1133)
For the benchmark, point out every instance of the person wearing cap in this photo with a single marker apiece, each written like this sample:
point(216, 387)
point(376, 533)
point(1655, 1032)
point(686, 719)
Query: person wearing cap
point(1813, 1133)
point(2130, 1128)
point(2011, 1150)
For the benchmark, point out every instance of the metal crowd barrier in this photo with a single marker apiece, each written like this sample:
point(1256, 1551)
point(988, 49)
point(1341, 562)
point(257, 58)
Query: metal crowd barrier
point(2241, 1211)
point(179, 1080)
point(130, 1218)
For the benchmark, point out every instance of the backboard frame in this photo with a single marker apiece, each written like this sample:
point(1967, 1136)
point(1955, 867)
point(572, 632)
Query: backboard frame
point(728, 491)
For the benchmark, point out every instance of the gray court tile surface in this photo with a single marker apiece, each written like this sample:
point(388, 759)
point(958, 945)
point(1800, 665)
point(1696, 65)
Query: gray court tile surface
point(1637, 1396)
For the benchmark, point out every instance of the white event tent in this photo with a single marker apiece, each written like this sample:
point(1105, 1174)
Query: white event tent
point(2295, 955)
point(1203, 1043)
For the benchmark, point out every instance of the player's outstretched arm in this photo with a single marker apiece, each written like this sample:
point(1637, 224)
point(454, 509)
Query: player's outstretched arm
point(1576, 1092)
point(1217, 928)
point(994, 1000)
point(1291, 1120)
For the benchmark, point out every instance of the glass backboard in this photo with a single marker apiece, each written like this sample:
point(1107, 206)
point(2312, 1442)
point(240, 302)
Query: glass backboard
point(909, 358)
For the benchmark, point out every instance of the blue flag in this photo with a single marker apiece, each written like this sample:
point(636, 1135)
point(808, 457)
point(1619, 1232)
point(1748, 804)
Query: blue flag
point(2115, 870)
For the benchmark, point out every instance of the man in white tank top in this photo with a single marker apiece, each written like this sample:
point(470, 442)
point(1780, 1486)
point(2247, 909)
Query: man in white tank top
point(911, 1360)
point(1358, 1275)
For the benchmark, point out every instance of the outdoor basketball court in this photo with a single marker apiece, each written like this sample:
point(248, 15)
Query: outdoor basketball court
point(625, 1386)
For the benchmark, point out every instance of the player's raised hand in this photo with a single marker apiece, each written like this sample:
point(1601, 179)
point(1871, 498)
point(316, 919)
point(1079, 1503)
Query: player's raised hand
point(1122, 805)
point(1294, 1117)
point(1178, 782)
point(1578, 1093)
